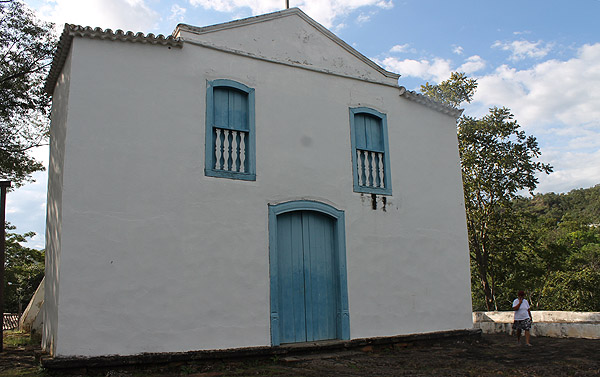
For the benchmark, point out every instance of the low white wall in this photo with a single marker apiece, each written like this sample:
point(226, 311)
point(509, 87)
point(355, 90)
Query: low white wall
point(32, 318)
point(545, 323)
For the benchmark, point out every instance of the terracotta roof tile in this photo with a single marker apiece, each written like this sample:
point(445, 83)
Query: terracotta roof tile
point(433, 104)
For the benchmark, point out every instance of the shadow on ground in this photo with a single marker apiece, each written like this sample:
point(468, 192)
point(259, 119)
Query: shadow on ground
point(492, 355)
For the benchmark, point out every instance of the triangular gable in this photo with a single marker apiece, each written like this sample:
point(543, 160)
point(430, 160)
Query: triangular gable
point(295, 41)
point(289, 37)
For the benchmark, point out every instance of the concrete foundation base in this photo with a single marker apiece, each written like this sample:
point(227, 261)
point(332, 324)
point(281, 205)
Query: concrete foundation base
point(364, 344)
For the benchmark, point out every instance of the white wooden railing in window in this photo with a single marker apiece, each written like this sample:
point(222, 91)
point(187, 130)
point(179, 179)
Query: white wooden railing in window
point(370, 168)
point(230, 150)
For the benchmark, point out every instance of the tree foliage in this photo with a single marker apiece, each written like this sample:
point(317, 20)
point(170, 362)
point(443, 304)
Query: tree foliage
point(547, 244)
point(454, 91)
point(24, 270)
point(498, 161)
point(564, 268)
point(26, 49)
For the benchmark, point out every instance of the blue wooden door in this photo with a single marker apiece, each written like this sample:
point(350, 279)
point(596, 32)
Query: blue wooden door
point(307, 277)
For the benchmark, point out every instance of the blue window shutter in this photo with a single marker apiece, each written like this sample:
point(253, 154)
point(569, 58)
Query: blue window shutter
point(360, 128)
point(369, 134)
point(370, 151)
point(374, 134)
point(221, 107)
point(230, 131)
point(230, 109)
point(238, 107)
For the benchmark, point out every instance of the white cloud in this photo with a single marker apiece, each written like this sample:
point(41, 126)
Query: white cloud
point(385, 4)
point(458, 50)
point(567, 92)
point(524, 49)
point(437, 70)
point(230, 5)
point(324, 11)
point(556, 101)
point(177, 13)
point(26, 208)
point(132, 15)
point(400, 48)
point(473, 64)
point(338, 27)
point(572, 169)
point(362, 18)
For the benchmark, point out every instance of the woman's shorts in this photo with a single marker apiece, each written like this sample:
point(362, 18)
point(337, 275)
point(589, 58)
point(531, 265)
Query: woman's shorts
point(522, 325)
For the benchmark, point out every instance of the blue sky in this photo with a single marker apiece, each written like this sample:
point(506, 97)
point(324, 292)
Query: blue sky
point(539, 58)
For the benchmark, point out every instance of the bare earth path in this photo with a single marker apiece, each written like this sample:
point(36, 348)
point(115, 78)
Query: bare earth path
point(492, 355)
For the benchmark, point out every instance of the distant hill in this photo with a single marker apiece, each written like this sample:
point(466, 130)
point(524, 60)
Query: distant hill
point(581, 205)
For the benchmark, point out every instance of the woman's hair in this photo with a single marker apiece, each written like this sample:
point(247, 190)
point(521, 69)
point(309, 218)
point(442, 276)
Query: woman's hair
point(521, 293)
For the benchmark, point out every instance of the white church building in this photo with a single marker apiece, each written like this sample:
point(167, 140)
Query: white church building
point(252, 183)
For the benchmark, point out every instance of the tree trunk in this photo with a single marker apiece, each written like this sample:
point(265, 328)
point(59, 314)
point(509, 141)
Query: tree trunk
point(476, 240)
point(487, 290)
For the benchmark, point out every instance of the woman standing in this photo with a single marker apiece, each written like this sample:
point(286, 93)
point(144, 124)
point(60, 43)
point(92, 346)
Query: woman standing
point(522, 317)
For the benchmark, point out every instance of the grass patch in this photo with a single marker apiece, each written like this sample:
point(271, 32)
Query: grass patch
point(17, 359)
point(16, 338)
point(25, 372)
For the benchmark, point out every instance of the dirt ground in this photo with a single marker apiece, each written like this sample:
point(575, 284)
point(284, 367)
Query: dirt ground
point(492, 355)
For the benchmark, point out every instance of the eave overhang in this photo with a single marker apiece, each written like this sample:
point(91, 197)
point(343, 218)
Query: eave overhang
point(430, 103)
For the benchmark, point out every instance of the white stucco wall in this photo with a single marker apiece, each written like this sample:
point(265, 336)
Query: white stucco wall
point(155, 256)
point(58, 133)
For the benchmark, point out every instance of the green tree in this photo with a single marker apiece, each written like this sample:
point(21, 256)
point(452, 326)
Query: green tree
point(576, 285)
point(24, 270)
point(454, 91)
point(498, 161)
point(26, 49)
point(567, 232)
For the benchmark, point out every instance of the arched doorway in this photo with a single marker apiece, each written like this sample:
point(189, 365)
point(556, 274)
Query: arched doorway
point(309, 298)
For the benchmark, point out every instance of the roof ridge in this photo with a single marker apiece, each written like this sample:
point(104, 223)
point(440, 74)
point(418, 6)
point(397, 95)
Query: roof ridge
point(238, 22)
